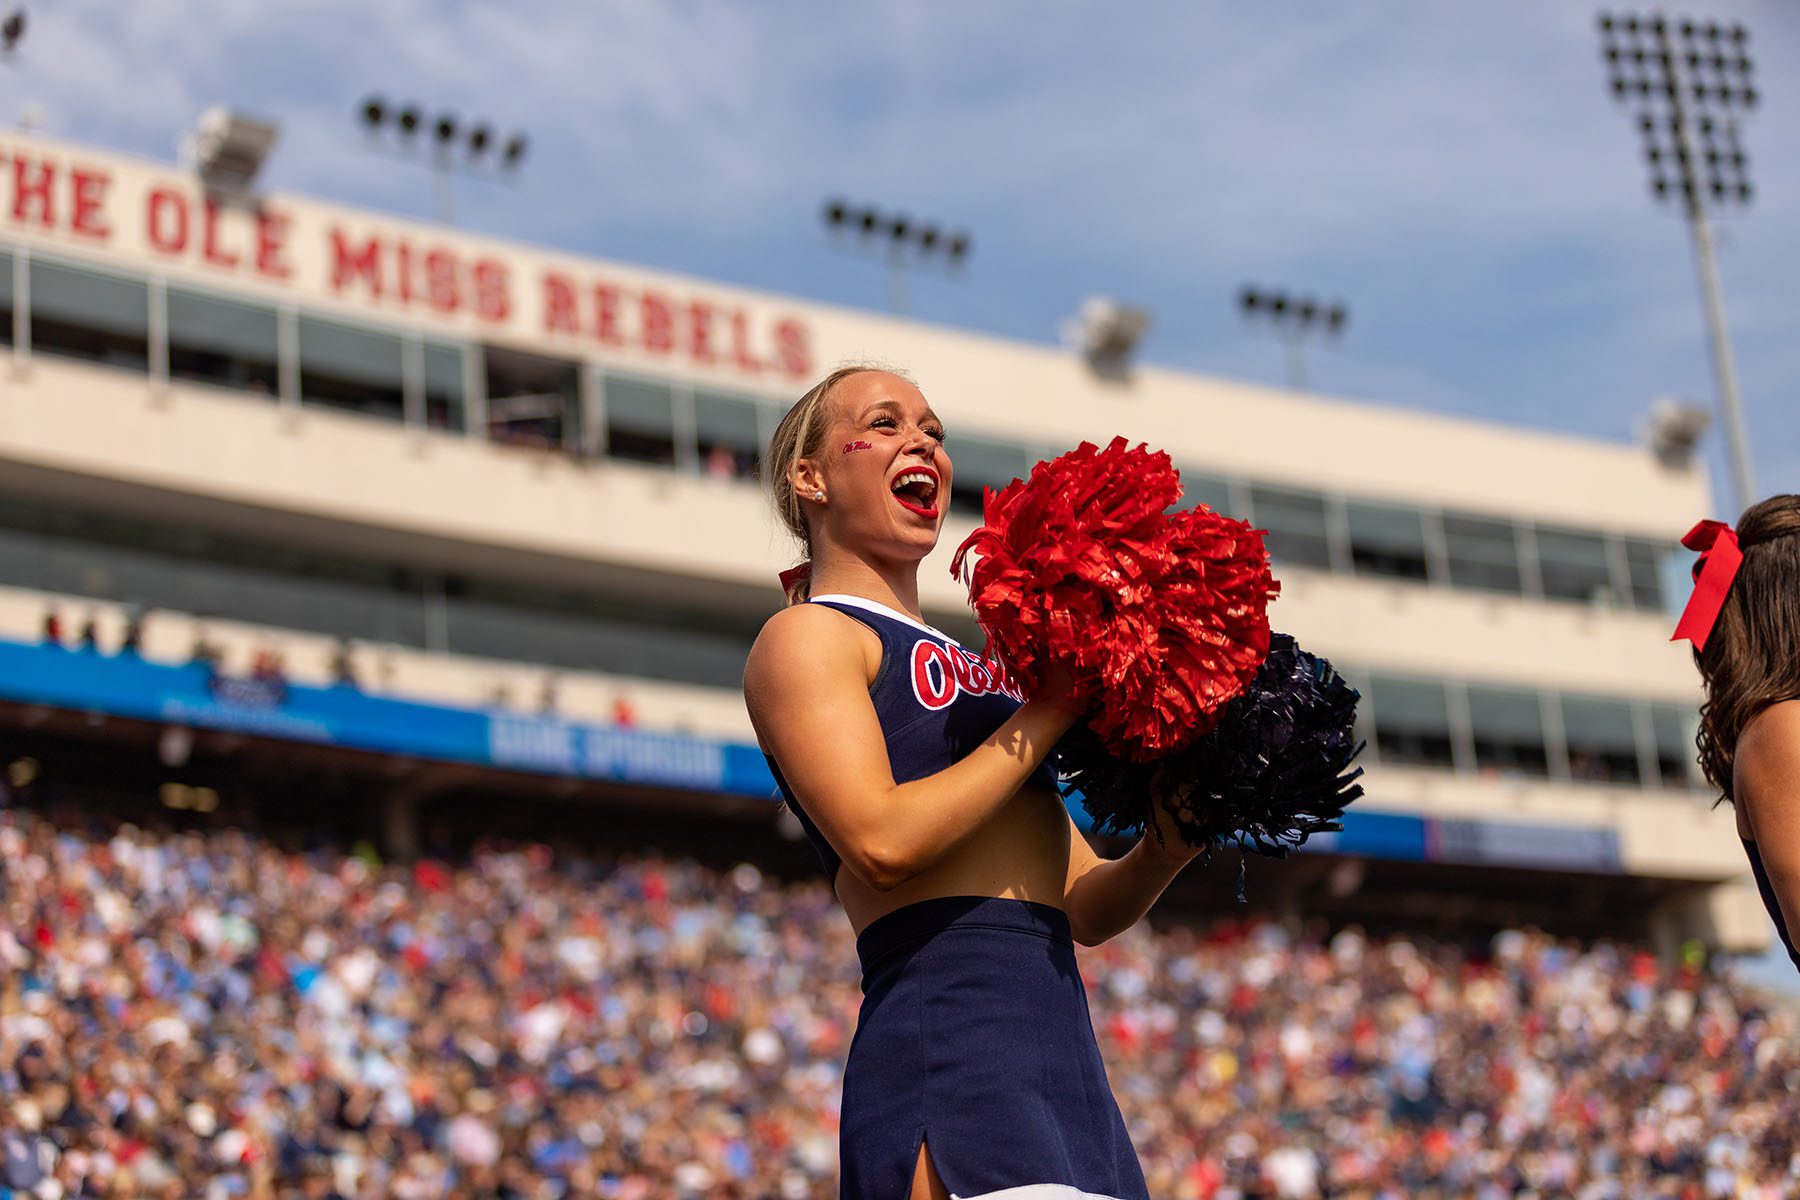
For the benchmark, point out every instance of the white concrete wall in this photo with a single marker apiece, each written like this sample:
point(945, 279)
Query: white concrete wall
point(588, 697)
point(67, 426)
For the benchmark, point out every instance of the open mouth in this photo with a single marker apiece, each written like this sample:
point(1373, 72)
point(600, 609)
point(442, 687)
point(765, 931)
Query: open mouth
point(916, 491)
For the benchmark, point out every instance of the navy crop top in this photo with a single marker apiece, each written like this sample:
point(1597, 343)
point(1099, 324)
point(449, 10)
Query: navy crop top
point(1769, 899)
point(936, 702)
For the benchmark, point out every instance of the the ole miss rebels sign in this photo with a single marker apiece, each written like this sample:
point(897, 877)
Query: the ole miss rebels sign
point(56, 195)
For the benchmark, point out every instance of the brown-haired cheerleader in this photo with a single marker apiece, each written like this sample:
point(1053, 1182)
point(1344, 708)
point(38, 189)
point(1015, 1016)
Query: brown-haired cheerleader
point(1744, 621)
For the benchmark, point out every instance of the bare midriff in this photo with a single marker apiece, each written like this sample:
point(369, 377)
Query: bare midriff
point(1022, 853)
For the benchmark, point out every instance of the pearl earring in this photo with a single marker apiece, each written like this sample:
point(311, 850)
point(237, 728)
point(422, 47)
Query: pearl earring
point(818, 495)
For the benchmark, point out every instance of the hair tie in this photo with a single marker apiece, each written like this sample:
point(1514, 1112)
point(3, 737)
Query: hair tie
point(1718, 565)
point(794, 575)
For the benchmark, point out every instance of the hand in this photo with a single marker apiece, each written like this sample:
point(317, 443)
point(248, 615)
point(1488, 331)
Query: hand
point(1056, 691)
point(1170, 847)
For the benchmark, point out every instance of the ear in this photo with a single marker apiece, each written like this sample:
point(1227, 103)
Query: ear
point(806, 477)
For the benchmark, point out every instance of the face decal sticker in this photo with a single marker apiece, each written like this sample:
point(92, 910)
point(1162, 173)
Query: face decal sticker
point(852, 447)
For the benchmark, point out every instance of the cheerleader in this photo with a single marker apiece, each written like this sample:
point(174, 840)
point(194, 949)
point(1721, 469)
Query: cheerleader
point(1744, 622)
point(923, 779)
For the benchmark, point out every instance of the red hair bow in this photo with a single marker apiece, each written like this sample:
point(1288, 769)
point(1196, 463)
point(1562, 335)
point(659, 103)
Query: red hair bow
point(794, 575)
point(1718, 565)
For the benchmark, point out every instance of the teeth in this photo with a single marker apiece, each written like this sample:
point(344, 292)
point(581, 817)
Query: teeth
point(907, 478)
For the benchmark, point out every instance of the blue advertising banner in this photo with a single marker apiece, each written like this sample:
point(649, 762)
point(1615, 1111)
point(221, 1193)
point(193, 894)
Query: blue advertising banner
point(127, 686)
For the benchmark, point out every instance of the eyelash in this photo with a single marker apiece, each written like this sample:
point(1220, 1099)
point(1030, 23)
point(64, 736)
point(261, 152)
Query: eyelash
point(937, 434)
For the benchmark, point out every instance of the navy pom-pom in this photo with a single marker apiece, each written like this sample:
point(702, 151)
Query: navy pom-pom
point(1274, 771)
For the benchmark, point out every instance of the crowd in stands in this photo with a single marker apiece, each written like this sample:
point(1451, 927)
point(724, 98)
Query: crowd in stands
point(204, 1014)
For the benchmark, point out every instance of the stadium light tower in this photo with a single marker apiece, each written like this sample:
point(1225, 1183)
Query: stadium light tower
point(1294, 319)
point(482, 155)
point(903, 242)
point(12, 32)
point(1689, 81)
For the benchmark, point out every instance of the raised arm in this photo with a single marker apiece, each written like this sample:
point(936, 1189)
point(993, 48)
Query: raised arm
point(1765, 776)
point(806, 685)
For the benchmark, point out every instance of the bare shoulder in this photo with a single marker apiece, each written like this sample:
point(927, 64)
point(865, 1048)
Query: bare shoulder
point(1771, 741)
point(803, 640)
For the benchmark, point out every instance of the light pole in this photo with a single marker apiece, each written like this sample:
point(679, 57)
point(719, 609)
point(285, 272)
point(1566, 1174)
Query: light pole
point(481, 156)
point(1294, 319)
point(903, 242)
point(1689, 81)
point(12, 32)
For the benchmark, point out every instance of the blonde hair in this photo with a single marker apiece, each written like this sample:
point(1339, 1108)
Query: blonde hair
point(800, 436)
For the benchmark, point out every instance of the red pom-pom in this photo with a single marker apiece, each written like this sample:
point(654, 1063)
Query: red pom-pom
point(1161, 617)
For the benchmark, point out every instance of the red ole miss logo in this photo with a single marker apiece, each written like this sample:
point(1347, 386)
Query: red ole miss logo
point(940, 673)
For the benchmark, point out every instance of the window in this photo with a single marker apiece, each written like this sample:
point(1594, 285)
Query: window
point(1412, 720)
point(6, 298)
point(532, 400)
point(222, 342)
point(1296, 523)
point(1645, 565)
point(1574, 567)
point(1387, 540)
point(84, 314)
point(1677, 756)
point(350, 368)
point(445, 400)
point(640, 420)
point(729, 435)
point(1483, 554)
point(1602, 740)
point(1508, 727)
point(1214, 491)
point(979, 463)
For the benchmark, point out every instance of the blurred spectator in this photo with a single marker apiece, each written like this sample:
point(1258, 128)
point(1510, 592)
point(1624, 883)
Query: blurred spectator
point(89, 638)
point(205, 651)
point(53, 630)
point(266, 666)
point(199, 1014)
point(134, 630)
point(343, 664)
point(720, 464)
point(624, 712)
point(549, 695)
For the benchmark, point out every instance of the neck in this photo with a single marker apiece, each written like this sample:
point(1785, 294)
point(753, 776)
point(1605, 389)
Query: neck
point(895, 584)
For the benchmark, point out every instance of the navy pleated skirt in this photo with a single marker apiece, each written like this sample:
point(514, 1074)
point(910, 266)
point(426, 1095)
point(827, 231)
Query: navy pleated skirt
point(974, 1038)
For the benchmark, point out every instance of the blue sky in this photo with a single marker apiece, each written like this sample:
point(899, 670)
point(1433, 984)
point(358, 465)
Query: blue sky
point(1457, 174)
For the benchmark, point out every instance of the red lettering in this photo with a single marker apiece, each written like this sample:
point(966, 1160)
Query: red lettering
point(606, 314)
point(90, 194)
point(442, 289)
point(493, 301)
point(404, 270)
point(981, 679)
point(210, 249)
point(740, 344)
point(25, 193)
point(791, 351)
point(271, 245)
point(559, 304)
point(348, 265)
point(166, 221)
point(657, 324)
point(938, 693)
point(700, 316)
point(963, 669)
